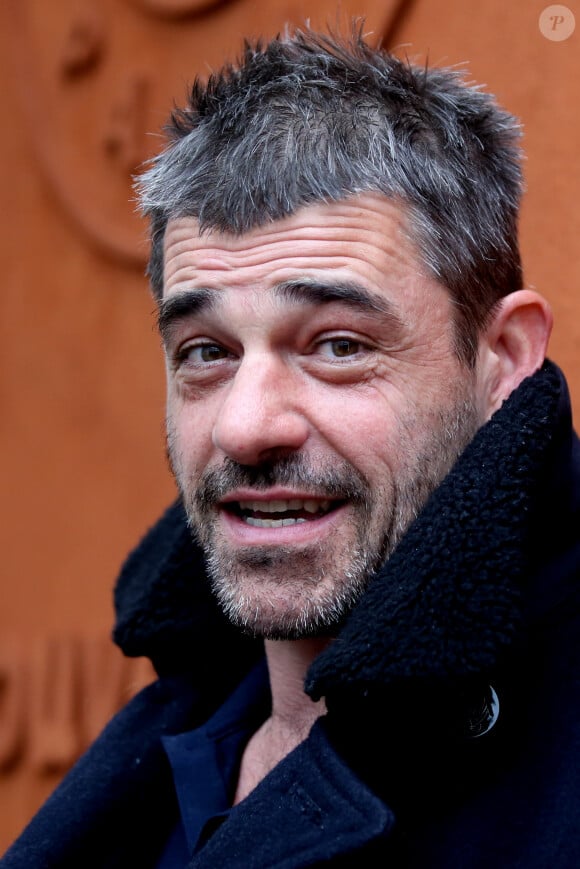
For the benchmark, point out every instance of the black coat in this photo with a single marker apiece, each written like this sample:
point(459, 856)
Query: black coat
point(483, 589)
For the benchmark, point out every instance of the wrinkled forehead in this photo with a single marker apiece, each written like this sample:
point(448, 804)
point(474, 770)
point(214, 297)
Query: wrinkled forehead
point(352, 256)
point(368, 233)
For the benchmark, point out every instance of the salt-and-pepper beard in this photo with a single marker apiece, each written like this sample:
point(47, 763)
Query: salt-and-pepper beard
point(289, 592)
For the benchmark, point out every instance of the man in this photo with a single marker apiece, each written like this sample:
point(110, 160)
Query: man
point(363, 609)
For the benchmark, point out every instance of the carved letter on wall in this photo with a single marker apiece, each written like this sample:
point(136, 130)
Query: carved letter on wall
point(106, 80)
point(11, 704)
point(57, 694)
point(54, 741)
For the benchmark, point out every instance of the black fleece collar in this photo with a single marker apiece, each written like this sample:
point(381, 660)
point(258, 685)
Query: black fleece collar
point(448, 601)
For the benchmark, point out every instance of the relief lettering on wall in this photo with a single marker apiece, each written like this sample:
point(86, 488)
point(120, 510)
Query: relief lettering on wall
point(105, 76)
point(125, 131)
point(84, 42)
point(57, 694)
point(175, 7)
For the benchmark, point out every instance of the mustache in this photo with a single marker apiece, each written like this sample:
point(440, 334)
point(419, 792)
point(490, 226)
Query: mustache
point(339, 481)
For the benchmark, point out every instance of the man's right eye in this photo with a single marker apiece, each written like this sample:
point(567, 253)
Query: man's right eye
point(198, 354)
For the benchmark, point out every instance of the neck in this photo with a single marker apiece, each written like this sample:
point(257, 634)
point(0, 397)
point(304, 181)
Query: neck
point(293, 712)
point(288, 662)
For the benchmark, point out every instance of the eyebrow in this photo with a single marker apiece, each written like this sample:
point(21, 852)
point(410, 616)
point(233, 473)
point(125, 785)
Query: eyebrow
point(300, 291)
point(305, 291)
point(182, 305)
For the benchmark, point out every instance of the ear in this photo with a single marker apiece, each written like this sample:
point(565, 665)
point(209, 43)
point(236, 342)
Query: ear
point(512, 347)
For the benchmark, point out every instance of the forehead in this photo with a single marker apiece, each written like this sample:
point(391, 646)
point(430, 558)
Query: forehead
point(367, 234)
point(362, 244)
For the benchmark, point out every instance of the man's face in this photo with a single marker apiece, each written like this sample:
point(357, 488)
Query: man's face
point(314, 402)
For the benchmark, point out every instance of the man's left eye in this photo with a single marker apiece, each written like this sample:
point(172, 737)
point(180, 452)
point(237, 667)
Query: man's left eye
point(341, 348)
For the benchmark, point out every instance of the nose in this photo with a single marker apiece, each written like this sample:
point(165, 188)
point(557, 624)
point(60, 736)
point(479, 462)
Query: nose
point(260, 416)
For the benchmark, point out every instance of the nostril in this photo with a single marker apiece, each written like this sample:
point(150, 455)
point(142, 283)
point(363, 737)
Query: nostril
point(251, 441)
point(261, 411)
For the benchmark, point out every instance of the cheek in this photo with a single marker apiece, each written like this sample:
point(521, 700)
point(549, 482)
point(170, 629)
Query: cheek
point(189, 435)
point(380, 428)
point(363, 428)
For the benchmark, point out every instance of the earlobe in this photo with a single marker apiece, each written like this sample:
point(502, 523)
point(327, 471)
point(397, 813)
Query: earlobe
point(514, 345)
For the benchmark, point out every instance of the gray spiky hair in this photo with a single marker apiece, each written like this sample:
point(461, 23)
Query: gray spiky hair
point(311, 117)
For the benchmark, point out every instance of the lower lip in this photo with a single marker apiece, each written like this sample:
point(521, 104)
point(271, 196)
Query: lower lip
point(239, 532)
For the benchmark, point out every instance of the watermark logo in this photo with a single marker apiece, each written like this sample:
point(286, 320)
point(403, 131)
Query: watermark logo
point(557, 23)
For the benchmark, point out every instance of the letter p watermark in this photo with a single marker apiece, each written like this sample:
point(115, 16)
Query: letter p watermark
point(557, 23)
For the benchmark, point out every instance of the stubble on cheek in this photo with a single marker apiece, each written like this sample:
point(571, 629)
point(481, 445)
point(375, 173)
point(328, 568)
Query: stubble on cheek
point(291, 592)
point(287, 592)
point(294, 590)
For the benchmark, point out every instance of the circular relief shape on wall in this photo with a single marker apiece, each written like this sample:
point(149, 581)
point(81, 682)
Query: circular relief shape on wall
point(96, 83)
point(173, 8)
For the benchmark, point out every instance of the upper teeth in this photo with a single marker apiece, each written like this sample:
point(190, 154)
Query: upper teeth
point(309, 505)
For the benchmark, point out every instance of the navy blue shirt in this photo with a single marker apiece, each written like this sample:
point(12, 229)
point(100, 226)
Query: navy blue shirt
point(205, 764)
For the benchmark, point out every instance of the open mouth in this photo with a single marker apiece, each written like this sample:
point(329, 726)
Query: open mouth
point(281, 513)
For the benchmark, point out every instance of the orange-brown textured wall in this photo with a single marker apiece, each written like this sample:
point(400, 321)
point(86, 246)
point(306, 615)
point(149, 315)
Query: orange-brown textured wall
point(81, 380)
